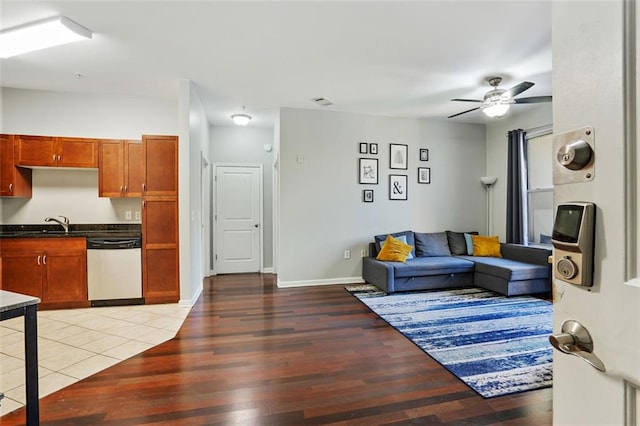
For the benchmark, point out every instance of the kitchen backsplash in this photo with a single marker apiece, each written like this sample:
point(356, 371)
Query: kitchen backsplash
point(72, 193)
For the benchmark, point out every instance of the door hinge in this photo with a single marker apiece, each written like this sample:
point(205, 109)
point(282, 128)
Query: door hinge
point(216, 257)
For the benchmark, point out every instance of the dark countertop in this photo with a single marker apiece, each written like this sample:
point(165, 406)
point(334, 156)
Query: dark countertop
point(115, 230)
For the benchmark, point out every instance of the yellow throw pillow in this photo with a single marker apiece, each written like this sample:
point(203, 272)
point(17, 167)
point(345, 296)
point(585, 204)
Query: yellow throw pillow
point(484, 245)
point(394, 250)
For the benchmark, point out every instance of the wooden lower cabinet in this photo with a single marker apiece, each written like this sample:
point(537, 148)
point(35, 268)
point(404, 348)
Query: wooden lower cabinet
point(53, 269)
point(160, 263)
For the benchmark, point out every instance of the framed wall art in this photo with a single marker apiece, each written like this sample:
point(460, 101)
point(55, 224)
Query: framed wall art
point(367, 195)
point(424, 155)
point(362, 148)
point(424, 174)
point(398, 187)
point(373, 148)
point(398, 156)
point(368, 171)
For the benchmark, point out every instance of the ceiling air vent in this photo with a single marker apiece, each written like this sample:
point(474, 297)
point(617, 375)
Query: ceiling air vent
point(322, 101)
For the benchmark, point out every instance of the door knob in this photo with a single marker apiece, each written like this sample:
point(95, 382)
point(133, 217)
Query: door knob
point(576, 340)
point(256, 225)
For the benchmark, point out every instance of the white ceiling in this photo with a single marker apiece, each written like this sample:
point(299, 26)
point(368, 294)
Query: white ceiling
point(396, 58)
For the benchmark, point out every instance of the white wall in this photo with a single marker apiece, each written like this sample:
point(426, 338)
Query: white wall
point(193, 144)
point(244, 145)
point(321, 213)
point(74, 193)
point(531, 116)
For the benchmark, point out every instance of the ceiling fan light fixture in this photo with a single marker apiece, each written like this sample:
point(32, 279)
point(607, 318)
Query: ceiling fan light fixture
point(496, 110)
point(40, 35)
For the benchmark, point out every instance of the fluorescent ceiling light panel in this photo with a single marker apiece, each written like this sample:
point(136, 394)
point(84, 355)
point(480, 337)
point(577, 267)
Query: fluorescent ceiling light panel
point(40, 35)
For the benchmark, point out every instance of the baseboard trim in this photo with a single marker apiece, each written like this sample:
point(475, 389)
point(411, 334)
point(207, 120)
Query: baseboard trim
point(267, 271)
point(187, 303)
point(326, 281)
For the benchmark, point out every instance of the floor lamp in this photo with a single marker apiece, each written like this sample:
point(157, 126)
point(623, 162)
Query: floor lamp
point(488, 182)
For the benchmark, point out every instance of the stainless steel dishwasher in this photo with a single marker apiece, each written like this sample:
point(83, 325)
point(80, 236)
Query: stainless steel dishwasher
point(114, 271)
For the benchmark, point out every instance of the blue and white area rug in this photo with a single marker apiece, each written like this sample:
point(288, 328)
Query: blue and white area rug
point(497, 345)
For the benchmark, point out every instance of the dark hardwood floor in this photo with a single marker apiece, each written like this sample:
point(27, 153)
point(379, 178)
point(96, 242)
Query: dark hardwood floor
point(252, 354)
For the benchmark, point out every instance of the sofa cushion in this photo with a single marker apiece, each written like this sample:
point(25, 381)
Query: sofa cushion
point(457, 243)
point(394, 250)
point(432, 244)
point(510, 270)
point(486, 245)
point(424, 266)
point(379, 239)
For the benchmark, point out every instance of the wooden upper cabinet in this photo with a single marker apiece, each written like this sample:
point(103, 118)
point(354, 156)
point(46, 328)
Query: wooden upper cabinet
point(120, 168)
point(14, 181)
point(160, 159)
point(50, 151)
point(77, 152)
point(36, 151)
point(133, 168)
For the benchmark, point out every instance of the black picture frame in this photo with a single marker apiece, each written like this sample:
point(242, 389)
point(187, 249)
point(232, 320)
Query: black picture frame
point(424, 155)
point(368, 171)
point(373, 148)
point(367, 195)
point(424, 174)
point(362, 149)
point(398, 156)
point(398, 189)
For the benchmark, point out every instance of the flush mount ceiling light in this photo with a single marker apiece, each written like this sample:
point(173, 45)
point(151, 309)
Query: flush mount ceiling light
point(40, 35)
point(241, 119)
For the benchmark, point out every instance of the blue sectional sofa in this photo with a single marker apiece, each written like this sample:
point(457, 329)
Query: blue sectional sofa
point(441, 260)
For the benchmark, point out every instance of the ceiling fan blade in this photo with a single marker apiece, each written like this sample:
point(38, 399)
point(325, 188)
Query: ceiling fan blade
point(463, 112)
point(466, 100)
point(533, 100)
point(517, 89)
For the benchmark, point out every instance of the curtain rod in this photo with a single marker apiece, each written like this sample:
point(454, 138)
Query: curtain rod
point(533, 132)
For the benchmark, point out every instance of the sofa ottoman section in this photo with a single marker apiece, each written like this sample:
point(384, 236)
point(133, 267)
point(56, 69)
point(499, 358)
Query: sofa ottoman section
point(423, 273)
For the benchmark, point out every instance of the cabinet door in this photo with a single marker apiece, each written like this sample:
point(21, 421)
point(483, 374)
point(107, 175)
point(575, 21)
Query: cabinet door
point(22, 272)
point(6, 165)
point(110, 169)
point(133, 168)
point(36, 151)
point(160, 267)
point(14, 181)
point(65, 276)
point(160, 155)
point(160, 282)
point(77, 152)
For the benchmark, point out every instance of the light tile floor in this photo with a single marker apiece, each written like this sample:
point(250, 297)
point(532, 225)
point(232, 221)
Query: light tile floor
point(76, 343)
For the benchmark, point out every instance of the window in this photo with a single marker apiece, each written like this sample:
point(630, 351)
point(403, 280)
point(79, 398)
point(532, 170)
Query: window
point(540, 188)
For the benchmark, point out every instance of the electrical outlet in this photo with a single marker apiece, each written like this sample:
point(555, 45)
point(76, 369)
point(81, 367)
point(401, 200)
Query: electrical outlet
point(347, 254)
point(137, 215)
point(127, 215)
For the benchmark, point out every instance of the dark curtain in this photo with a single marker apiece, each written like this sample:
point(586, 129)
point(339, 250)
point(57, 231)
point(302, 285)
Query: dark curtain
point(516, 182)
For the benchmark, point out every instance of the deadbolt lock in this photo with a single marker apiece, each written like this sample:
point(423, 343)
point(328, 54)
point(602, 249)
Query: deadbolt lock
point(574, 156)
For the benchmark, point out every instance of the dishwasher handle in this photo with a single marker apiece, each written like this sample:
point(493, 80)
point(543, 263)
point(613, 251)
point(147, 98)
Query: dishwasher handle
point(113, 243)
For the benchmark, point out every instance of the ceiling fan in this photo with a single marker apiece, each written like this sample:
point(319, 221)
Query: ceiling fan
point(496, 101)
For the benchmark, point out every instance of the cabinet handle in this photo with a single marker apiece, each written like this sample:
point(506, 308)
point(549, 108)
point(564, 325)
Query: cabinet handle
point(54, 158)
point(121, 189)
point(10, 187)
point(59, 158)
point(144, 187)
point(144, 203)
point(125, 189)
point(44, 259)
point(38, 261)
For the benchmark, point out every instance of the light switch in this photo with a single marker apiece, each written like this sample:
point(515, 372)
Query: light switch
point(300, 159)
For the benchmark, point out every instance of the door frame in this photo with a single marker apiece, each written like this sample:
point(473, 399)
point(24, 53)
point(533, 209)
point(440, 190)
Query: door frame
point(214, 211)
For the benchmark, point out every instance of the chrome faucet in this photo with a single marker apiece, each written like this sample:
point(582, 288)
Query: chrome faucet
point(64, 222)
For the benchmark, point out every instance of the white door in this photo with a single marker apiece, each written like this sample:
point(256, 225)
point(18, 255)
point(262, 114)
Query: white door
point(238, 219)
point(589, 89)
